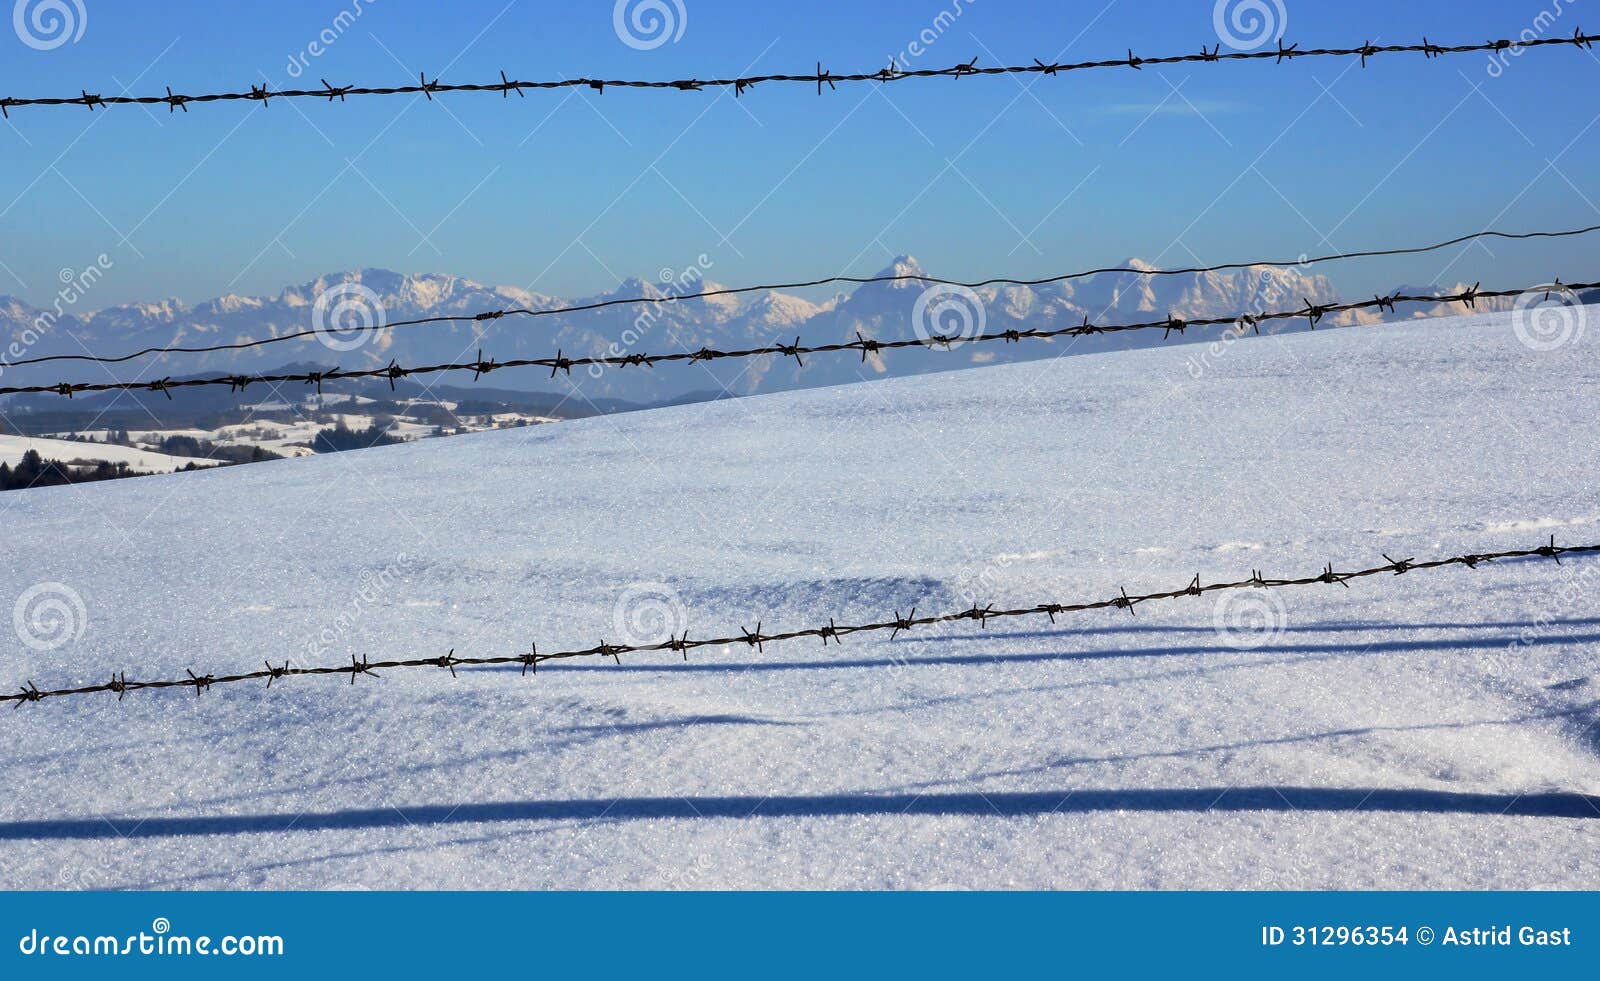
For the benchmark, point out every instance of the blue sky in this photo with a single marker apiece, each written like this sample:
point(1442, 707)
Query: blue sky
point(568, 192)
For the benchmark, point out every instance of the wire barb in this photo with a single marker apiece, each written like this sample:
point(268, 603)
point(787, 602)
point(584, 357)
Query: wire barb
point(1314, 313)
point(449, 661)
point(834, 631)
point(903, 623)
point(362, 666)
point(30, 693)
point(1247, 319)
point(821, 76)
point(201, 682)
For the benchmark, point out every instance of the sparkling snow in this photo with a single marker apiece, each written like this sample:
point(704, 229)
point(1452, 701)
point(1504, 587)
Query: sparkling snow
point(1392, 734)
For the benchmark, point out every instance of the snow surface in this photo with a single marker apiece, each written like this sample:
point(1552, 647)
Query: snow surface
point(1392, 736)
point(12, 449)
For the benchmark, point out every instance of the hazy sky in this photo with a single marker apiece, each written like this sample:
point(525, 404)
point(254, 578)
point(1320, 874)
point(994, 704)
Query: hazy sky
point(568, 192)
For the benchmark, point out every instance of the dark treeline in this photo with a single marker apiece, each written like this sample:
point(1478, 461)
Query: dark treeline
point(341, 438)
point(207, 450)
point(34, 470)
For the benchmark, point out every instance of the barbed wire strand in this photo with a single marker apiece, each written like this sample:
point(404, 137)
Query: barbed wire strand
point(1282, 54)
point(829, 280)
point(394, 371)
point(757, 639)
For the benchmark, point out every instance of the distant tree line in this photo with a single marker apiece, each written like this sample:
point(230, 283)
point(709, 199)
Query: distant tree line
point(34, 470)
point(205, 449)
point(341, 438)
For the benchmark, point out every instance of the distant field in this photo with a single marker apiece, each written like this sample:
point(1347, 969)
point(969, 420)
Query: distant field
point(12, 449)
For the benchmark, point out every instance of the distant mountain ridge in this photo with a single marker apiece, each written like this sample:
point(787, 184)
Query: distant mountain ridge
point(881, 311)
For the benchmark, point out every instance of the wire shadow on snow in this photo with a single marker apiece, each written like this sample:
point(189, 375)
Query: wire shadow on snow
point(1334, 627)
point(988, 660)
point(743, 807)
point(558, 739)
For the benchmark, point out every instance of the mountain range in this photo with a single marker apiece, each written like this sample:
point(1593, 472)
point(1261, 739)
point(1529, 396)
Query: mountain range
point(881, 311)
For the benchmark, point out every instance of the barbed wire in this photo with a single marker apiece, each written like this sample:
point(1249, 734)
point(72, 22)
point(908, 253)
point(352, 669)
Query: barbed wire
point(829, 280)
point(892, 73)
point(394, 371)
point(757, 639)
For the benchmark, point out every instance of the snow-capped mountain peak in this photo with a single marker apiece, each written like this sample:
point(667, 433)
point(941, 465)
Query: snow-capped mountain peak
point(904, 265)
point(881, 310)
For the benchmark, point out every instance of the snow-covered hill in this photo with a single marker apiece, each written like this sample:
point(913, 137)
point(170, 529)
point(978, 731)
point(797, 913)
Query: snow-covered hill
point(12, 449)
point(886, 311)
point(1403, 732)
